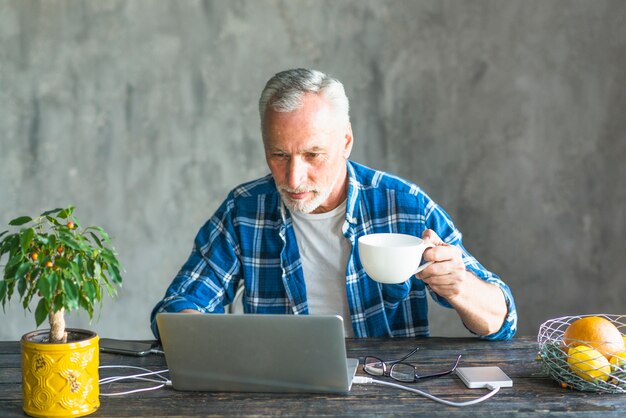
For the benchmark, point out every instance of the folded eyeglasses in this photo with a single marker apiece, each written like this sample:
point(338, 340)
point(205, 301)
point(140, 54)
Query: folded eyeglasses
point(400, 370)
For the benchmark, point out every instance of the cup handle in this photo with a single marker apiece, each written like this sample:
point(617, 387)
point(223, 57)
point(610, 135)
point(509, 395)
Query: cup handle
point(428, 263)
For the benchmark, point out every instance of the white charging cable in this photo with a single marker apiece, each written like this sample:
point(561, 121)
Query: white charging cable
point(142, 377)
point(363, 380)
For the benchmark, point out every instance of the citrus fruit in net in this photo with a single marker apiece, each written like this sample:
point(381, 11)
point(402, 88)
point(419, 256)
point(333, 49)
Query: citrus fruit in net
point(618, 361)
point(596, 332)
point(588, 363)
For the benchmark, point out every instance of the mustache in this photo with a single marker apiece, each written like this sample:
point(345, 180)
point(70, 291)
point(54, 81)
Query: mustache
point(301, 189)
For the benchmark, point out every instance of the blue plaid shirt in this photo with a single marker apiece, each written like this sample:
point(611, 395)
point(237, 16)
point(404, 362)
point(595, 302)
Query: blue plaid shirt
point(251, 239)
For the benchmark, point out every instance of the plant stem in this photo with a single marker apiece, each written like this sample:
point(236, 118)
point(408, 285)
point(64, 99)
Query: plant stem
point(57, 326)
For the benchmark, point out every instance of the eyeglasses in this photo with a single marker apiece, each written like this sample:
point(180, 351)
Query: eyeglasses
point(377, 367)
point(399, 370)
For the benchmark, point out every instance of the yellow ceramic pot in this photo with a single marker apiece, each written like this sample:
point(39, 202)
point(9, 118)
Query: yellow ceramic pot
point(60, 380)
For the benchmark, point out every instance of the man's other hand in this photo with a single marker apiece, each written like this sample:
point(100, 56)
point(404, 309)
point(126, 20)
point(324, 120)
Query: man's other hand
point(190, 311)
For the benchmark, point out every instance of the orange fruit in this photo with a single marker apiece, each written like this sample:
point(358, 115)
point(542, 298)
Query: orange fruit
point(34, 256)
point(596, 332)
point(71, 225)
point(588, 363)
point(48, 264)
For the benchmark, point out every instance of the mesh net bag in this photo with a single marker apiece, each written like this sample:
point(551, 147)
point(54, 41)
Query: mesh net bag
point(583, 370)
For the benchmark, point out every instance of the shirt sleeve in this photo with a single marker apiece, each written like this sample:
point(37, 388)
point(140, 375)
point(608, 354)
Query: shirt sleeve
point(208, 279)
point(439, 221)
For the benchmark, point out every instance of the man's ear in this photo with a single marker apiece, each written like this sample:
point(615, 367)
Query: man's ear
point(349, 141)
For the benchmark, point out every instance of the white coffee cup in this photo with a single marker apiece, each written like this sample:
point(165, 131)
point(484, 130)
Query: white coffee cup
point(392, 258)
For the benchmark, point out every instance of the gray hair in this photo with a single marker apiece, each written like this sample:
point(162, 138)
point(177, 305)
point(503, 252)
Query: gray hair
point(284, 91)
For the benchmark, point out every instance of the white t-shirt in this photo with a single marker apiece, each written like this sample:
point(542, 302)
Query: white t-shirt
point(324, 253)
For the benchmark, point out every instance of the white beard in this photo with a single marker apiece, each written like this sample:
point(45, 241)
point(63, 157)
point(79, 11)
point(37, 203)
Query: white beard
point(307, 206)
point(319, 196)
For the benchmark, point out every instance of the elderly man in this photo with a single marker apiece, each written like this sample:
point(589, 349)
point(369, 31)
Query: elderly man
point(290, 237)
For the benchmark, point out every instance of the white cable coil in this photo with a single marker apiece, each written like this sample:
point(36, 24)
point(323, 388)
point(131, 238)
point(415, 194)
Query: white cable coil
point(141, 377)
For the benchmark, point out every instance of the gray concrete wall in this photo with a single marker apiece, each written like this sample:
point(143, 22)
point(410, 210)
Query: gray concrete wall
point(143, 114)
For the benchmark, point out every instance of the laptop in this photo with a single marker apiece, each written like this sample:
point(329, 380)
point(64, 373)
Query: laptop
point(256, 353)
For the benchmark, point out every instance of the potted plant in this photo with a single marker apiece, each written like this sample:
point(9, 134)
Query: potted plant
point(52, 259)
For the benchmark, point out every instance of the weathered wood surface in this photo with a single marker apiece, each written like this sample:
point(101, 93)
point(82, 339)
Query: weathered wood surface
point(532, 394)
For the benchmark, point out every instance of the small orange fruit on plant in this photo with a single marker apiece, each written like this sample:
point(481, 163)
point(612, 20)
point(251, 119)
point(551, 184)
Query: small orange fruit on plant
point(596, 332)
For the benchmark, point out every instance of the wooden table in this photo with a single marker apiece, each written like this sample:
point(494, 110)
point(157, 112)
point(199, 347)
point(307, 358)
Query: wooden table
point(532, 393)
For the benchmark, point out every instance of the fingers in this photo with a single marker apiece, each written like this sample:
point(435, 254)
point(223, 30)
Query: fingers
point(430, 235)
point(447, 286)
point(441, 268)
point(446, 275)
point(444, 280)
point(443, 252)
point(448, 260)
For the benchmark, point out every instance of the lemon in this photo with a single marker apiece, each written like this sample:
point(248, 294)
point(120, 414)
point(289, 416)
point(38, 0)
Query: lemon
point(588, 363)
point(618, 360)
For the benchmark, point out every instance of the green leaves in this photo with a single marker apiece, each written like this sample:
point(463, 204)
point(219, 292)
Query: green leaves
point(42, 311)
point(20, 221)
point(26, 237)
point(115, 275)
point(58, 264)
point(53, 221)
point(3, 291)
point(50, 212)
point(71, 294)
point(101, 231)
point(96, 239)
point(8, 243)
point(21, 271)
point(69, 240)
point(89, 290)
point(47, 284)
point(21, 286)
point(66, 213)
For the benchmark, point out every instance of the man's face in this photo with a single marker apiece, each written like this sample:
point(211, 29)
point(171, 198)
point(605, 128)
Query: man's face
point(306, 151)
